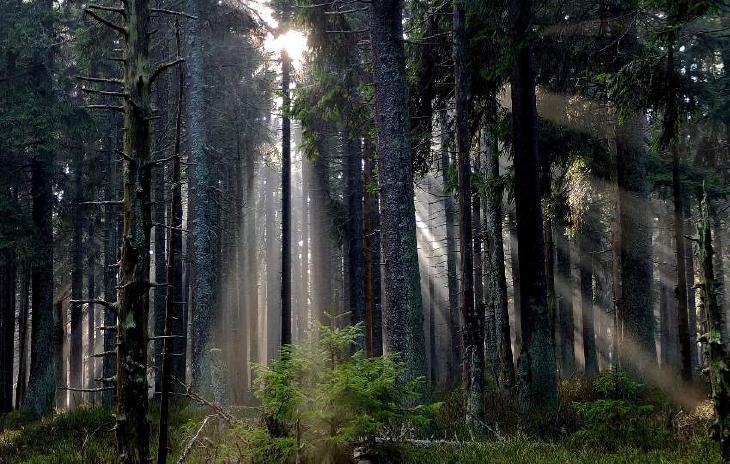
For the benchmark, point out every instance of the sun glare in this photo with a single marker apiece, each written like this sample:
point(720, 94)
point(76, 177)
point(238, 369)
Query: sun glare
point(294, 42)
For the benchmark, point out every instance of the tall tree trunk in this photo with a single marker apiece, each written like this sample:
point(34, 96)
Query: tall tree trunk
point(354, 227)
point(111, 250)
point(515, 271)
point(158, 309)
point(565, 306)
point(715, 353)
point(691, 304)
point(132, 415)
point(251, 262)
point(636, 310)
point(7, 327)
point(587, 249)
point(273, 272)
point(472, 337)
point(77, 283)
point(402, 316)
point(23, 308)
point(286, 321)
point(497, 277)
point(371, 215)
point(204, 310)
point(90, 315)
point(537, 356)
point(452, 280)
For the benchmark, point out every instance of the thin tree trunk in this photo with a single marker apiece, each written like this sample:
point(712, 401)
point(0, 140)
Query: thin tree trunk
point(286, 320)
point(354, 227)
point(565, 306)
point(497, 277)
point(90, 311)
point(587, 251)
point(452, 280)
point(8, 277)
point(403, 314)
point(23, 308)
point(372, 258)
point(77, 283)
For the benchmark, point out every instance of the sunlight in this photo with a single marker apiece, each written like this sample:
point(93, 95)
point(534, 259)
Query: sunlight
point(293, 41)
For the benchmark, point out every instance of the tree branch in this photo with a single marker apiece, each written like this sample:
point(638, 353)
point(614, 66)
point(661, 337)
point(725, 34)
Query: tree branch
point(106, 22)
point(173, 12)
point(104, 303)
point(100, 79)
point(108, 8)
point(160, 69)
point(105, 107)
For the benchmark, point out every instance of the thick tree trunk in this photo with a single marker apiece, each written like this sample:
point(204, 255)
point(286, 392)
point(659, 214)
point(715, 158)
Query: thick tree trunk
point(472, 336)
point(132, 415)
point(41, 393)
point(537, 357)
point(204, 311)
point(636, 313)
point(403, 316)
point(716, 355)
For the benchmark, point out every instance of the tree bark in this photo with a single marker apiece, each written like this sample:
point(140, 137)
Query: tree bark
point(402, 316)
point(497, 278)
point(636, 313)
point(715, 354)
point(587, 250)
point(286, 321)
point(373, 304)
point(452, 280)
point(472, 335)
point(77, 283)
point(23, 308)
point(8, 277)
point(90, 311)
point(537, 357)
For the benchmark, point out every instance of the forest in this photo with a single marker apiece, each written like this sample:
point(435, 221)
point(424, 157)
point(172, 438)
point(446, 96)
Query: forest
point(364, 231)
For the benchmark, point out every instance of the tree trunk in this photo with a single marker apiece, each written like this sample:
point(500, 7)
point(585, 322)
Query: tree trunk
point(537, 356)
point(372, 257)
point(691, 305)
point(565, 306)
point(132, 415)
point(403, 316)
point(286, 321)
point(354, 227)
point(204, 310)
point(587, 250)
point(77, 283)
point(715, 354)
point(7, 327)
point(472, 337)
point(452, 280)
point(636, 310)
point(497, 278)
point(90, 311)
point(23, 334)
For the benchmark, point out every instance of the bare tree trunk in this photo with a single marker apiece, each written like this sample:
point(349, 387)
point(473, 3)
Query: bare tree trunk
point(23, 334)
point(285, 194)
point(77, 283)
point(716, 356)
point(636, 315)
point(565, 306)
point(587, 249)
point(537, 357)
point(90, 310)
point(371, 215)
point(8, 277)
point(452, 280)
point(403, 314)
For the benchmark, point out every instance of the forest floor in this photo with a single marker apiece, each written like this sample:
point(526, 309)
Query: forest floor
point(86, 436)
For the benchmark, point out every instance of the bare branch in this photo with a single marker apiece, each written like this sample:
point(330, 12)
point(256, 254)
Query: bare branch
point(104, 303)
point(101, 79)
point(108, 8)
point(160, 69)
point(106, 22)
point(105, 202)
point(105, 92)
point(192, 441)
point(173, 12)
point(105, 107)
point(103, 353)
point(91, 390)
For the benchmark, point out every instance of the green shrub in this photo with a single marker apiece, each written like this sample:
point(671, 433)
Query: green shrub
point(328, 396)
point(621, 415)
